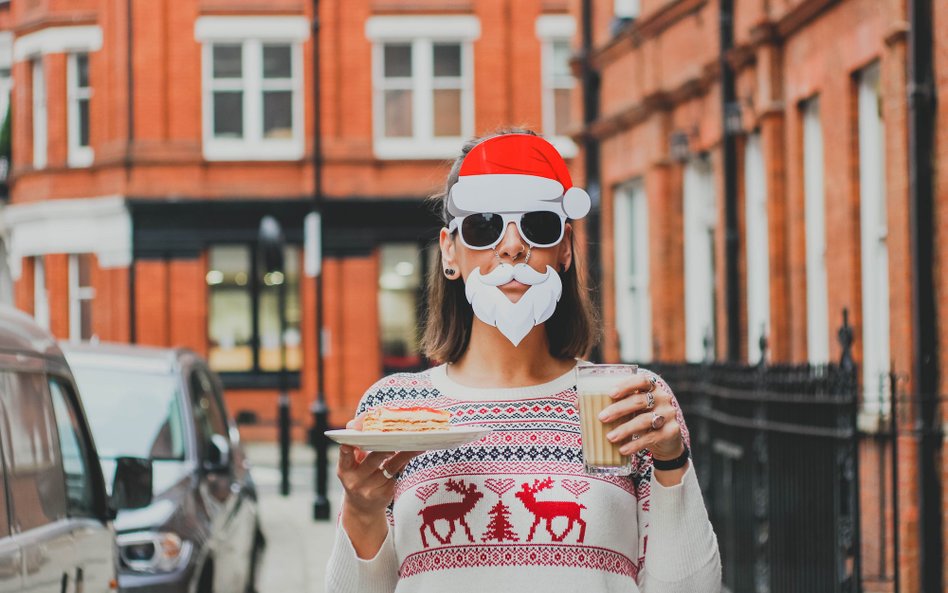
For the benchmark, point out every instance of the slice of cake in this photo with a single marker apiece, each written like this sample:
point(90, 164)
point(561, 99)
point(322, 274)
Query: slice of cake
point(417, 419)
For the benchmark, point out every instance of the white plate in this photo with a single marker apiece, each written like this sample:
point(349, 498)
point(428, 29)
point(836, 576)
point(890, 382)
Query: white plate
point(408, 441)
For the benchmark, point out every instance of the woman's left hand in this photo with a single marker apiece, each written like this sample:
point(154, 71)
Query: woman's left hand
point(650, 419)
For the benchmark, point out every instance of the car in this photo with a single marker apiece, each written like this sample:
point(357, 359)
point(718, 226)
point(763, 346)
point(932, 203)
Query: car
point(201, 534)
point(56, 531)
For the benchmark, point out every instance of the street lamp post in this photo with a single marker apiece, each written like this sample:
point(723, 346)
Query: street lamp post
point(271, 246)
point(320, 410)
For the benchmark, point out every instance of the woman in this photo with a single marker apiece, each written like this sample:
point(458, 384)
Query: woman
point(515, 511)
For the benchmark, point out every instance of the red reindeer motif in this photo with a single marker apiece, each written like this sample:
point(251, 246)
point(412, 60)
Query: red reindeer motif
point(450, 512)
point(551, 509)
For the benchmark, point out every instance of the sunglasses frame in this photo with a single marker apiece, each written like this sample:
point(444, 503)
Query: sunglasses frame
point(507, 217)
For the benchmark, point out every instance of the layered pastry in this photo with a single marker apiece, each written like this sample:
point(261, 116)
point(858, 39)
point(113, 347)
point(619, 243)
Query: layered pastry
point(417, 419)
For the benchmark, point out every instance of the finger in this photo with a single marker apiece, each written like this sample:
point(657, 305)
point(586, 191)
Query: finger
point(634, 384)
point(346, 457)
point(647, 437)
point(371, 463)
point(396, 463)
point(633, 404)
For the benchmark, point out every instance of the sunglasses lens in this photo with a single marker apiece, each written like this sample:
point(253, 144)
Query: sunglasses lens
point(480, 230)
point(541, 228)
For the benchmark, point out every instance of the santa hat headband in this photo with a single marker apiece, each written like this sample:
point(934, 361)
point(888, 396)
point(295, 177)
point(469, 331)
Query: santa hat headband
point(516, 172)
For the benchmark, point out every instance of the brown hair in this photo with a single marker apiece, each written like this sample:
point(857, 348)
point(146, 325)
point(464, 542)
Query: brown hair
point(571, 330)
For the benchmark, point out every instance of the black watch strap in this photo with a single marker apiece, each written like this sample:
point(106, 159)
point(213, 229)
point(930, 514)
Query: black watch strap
point(670, 464)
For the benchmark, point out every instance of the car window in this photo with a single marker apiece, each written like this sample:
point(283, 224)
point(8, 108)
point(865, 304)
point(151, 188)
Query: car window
point(31, 448)
point(80, 497)
point(208, 415)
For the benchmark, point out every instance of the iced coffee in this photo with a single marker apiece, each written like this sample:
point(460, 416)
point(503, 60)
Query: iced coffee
point(595, 385)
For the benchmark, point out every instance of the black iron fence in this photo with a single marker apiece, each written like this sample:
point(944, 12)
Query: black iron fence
point(802, 476)
point(776, 451)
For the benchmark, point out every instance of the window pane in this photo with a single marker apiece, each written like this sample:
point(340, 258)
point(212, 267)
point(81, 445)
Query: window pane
point(82, 70)
point(447, 112)
point(84, 264)
point(153, 428)
point(278, 114)
point(277, 62)
point(230, 309)
point(228, 114)
point(269, 318)
point(399, 290)
point(447, 59)
point(208, 416)
point(398, 113)
point(397, 61)
point(561, 55)
point(37, 487)
point(228, 61)
point(561, 110)
point(79, 494)
point(83, 122)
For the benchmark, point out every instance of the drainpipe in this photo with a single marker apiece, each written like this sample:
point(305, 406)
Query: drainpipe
point(590, 81)
point(921, 96)
point(130, 137)
point(729, 146)
point(319, 409)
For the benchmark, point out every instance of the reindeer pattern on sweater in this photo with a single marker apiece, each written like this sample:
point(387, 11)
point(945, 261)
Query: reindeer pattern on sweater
point(517, 497)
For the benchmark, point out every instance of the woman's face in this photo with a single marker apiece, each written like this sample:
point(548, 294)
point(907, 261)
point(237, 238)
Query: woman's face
point(512, 250)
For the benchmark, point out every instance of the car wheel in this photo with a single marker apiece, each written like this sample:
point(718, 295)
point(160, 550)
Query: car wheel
point(256, 555)
point(206, 582)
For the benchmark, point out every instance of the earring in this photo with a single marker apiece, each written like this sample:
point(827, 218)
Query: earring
point(449, 273)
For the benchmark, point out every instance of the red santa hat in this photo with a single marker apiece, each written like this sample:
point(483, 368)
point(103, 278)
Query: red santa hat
point(513, 173)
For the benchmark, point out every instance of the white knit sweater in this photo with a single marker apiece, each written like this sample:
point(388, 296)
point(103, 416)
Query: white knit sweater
point(516, 512)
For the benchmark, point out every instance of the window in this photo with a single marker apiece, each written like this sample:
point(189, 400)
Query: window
point(817, 306)
point(80, 497)
point(253, 80)
point(633, 300)
point(35, 477)
point(626, 9)
point(875, 249)
point(79, 93)
point(423, 81)
point(400, 282)
point(209, 417)
point(244, 321)
point(39, 114)
point(81, 294)
point(757, 246)
point(554, 32)
point(699, 221)
point(40, 295)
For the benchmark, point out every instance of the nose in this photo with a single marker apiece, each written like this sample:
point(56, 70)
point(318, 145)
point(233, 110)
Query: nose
point(511, 244)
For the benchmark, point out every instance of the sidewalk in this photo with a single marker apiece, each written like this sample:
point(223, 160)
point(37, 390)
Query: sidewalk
point(297, 546)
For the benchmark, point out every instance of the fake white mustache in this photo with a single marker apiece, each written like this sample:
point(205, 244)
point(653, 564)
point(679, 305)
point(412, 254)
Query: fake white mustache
point(522, 273)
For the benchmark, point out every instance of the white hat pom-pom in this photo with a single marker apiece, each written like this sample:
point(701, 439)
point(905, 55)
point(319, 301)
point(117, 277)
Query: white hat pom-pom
point(576, 203)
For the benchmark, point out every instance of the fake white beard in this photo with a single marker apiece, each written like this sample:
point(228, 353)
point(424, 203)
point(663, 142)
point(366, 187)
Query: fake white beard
point(514, 320)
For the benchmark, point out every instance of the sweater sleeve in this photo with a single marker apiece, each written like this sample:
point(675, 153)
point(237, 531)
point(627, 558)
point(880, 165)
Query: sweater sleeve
point(682, 552)
point(347, 573)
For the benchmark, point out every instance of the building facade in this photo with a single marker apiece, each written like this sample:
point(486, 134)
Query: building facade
point(150, 138)
point(755, 184)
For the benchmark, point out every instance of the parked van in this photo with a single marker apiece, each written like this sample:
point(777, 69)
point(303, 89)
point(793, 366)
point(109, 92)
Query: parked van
point(55, 516)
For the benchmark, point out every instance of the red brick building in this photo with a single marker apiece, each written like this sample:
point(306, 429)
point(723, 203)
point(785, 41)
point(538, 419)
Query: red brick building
point(818, 117)
point(151, 137)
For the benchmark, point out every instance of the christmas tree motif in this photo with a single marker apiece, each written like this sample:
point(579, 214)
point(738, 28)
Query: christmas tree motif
point(500, 529)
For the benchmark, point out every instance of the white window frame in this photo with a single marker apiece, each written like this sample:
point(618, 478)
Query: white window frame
point(77, 294)
point(40, 294)
point(627, 9)
point(252, 33)
point(551, 29)
point(40, 117)
point(700, 222)
point(817, 290)
point(422, 33)
point(875, 250)
point(757, 248)
point(78, 155)
point(633, 291)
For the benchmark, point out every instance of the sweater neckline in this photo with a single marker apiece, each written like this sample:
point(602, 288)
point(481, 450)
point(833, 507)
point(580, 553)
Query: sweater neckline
point(454, 390)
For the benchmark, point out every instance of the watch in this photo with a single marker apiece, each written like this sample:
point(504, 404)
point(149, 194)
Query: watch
point(670, 464)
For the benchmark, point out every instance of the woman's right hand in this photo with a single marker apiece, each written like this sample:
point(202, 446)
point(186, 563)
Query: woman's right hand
point(368, 492)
